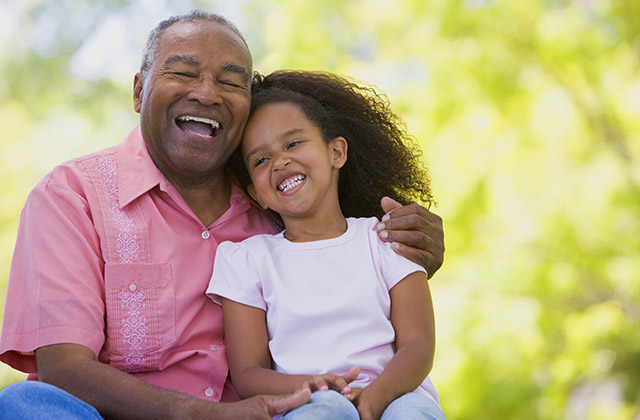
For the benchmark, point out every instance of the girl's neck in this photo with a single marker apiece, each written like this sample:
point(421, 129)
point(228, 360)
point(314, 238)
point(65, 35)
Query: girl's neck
point(316, 229)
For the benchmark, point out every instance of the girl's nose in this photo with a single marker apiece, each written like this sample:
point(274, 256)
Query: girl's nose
point(281, 161)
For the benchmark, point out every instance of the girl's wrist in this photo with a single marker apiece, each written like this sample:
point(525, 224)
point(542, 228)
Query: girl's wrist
point(375, 394)
point(376, 400)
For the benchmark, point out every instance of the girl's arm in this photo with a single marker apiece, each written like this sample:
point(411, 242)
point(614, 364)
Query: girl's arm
point(247, 343)
point(413, 321)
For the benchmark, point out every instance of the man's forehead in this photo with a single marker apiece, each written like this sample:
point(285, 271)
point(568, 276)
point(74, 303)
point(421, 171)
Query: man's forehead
point(194, 29)
point(187, 29)
point(179, 35)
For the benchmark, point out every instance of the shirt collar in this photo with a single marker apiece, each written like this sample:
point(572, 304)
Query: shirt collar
point(138, 172)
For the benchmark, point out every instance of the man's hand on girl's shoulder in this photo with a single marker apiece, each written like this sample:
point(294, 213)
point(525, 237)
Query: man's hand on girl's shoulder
point(414, 232)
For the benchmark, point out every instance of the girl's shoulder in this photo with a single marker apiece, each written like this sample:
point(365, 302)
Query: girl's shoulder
point(366, 227)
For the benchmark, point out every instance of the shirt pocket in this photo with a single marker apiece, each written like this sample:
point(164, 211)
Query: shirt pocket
point(140, 305)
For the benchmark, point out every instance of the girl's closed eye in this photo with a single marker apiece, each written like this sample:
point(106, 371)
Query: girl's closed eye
point(293, 143)
point(259, 161)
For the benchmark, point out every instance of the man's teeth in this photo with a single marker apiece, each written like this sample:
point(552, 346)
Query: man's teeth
point(214, 124)
point(290, 183)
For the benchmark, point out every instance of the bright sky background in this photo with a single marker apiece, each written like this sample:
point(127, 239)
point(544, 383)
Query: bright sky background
point(115, 47)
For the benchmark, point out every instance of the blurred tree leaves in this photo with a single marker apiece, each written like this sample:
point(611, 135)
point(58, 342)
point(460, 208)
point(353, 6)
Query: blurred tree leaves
point(529, 116)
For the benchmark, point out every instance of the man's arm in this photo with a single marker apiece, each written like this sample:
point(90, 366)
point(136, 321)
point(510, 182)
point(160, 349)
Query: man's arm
point(415, 233)
point(115, 394)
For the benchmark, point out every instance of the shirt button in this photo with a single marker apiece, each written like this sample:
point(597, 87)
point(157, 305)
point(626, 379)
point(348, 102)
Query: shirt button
point(205, 234)
point(213, 347)
point(132, 287)
point(209, 392)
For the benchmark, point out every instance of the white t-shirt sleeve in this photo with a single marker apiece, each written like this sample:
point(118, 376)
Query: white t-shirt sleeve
point(392, 266)
point(235, 277)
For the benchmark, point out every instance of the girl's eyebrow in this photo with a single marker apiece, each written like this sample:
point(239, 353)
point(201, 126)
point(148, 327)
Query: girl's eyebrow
point(252, 152)
point(280, 136)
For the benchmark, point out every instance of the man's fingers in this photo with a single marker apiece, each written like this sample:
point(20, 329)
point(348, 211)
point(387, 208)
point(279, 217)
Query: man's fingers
point(416, 239)
point(278, 404)
point(412, 216)
point(389, 204)
point(418, 255)
point(416, 234)
point(394, 209)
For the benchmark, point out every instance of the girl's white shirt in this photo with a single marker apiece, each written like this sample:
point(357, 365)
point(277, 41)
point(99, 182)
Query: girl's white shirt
point(327, 302)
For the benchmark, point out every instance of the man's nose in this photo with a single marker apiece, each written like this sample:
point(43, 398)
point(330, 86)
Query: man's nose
point(205, 91)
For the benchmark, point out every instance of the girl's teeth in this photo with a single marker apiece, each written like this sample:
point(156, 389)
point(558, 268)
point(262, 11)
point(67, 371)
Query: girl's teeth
point(290, 183)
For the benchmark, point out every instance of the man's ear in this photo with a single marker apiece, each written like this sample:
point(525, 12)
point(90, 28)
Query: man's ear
point(252, 192)
point(137, 92)
point(338, 147)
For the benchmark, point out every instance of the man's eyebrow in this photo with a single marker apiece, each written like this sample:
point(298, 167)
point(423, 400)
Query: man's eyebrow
point(186, 59)
point(238, 69)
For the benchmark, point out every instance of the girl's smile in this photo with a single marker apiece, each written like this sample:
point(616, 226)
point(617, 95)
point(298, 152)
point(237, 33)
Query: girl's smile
point(290, 183)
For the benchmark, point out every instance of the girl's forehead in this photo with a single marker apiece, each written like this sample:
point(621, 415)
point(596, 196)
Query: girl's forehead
point(277, 115)
point(292, 109)
point(275, 122)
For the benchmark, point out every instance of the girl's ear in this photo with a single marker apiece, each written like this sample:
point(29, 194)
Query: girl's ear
point(338, 147)
point(252, 192)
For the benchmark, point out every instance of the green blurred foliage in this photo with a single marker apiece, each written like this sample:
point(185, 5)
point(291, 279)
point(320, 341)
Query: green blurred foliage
point(528, 112)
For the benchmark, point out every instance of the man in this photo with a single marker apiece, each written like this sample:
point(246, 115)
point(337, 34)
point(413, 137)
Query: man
point(115, 249)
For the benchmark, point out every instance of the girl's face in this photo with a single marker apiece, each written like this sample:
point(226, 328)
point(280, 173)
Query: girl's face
point(293, 170)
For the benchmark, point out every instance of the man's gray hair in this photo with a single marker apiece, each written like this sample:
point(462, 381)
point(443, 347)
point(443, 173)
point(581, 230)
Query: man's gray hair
point(149, 52)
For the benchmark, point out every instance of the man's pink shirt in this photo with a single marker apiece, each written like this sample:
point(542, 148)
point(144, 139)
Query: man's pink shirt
point(111, 257)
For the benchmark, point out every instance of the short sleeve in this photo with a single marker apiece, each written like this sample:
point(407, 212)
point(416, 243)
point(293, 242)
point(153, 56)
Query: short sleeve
point(235, 276)
point(392, 266)
point(56, 290)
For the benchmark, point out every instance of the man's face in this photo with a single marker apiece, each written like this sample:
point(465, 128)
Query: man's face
point(195, 99)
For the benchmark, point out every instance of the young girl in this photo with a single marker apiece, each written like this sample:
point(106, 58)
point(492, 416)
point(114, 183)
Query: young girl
point(325, 304)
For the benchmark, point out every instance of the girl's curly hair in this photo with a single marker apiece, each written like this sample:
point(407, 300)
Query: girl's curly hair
point(382, 158)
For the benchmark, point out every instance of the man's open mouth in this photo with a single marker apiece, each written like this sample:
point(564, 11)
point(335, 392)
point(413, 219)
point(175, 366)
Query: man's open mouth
point(203, 127)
